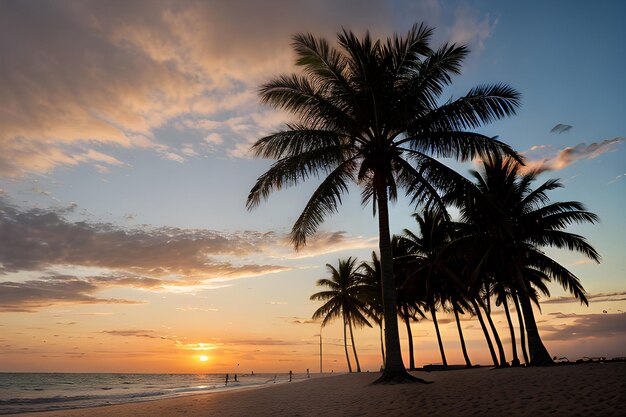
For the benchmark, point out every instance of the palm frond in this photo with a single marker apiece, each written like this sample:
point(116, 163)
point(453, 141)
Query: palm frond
point(324, 201)
point(462, 146)
point(424, 86)
point(565, 240)
point(481, 105)
point(296, 140)
point(292, 170)
point(560, 274)
point(315, 106)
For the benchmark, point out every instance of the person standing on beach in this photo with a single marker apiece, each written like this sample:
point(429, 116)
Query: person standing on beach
point(226, 379)
point(290, 375)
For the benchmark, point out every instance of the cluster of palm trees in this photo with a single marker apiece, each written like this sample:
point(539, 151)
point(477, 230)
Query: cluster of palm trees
point(491, 254)
point(369, 112)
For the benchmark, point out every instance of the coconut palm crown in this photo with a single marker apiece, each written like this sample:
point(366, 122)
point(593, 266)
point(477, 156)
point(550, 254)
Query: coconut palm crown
point(345, 297)
point(512, 223)
point(369, 112)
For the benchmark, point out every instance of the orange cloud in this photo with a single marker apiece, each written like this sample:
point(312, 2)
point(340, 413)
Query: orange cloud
point(588, 326)
point(324, 242)
point(32, 295)
point(37, 239)
point(79, 74)
point(567, 156)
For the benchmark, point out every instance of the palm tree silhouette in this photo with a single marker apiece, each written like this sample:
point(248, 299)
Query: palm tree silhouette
point(409, 304)
point(344, 298)
point(371, 275)
point(426, 279)
point(368, 113)
point(434, 285)
point(511, 223)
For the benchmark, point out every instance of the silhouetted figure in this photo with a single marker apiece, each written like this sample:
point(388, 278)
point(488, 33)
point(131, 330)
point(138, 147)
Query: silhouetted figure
point(236, 378)
point(252, 372)
point(290, 375)
point(226, 379)
point(308, 375)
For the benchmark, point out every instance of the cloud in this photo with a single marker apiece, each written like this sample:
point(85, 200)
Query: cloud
point(599, 297)
point(265, 342)
point(301, 320)
point(561, 128)
point(153, 259)
point(35, 294)
point(469, 28)
point(148, 334)
point(324, 242)
point(588, 326)
point(41, 191)
point(198, 346)
point(34, 240)
point(79, 75)
point(566, 157)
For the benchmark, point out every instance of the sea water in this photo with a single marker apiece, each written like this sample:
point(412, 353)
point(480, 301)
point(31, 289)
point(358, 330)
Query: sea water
point(25, 392)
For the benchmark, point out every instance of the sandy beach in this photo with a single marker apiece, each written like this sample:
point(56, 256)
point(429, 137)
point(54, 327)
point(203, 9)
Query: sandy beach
point(597, 389)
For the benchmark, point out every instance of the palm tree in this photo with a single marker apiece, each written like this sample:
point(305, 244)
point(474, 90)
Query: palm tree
point(371, 275)
point(428, 249)
point(522, 333)
point(369, 113)
point(409, 304)
point(502, 293)
point(343, 299)
point(512, 222)
point(426, 277)
point(457, 308)
point(485, 302)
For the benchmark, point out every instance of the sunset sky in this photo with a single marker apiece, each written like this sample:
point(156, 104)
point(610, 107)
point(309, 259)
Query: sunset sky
point(125, 245)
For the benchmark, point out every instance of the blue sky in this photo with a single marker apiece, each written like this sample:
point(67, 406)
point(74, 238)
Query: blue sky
point(136, 117)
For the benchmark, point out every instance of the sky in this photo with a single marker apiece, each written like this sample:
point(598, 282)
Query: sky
point(125, 128)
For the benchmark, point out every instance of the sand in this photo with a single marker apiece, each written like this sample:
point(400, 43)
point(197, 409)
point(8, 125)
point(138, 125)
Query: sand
point(575, 390)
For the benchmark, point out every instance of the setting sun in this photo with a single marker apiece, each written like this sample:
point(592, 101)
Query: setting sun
point(204, 358)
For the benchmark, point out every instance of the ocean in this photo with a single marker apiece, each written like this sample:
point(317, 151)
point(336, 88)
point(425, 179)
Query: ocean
point(26, 392)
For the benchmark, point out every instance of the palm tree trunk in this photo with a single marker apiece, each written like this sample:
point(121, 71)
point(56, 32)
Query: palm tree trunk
point(443, 353)
point(356, 358)
point(522, 333)
point(345, 344)
point(468, 363)
point(496, 337)
point(407, 319)
point(538, 353)
point(382, 343)
point(394, 367)
point(515, 361)
point(486, 332)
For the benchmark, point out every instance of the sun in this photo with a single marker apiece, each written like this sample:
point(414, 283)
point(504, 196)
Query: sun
point(203, 358)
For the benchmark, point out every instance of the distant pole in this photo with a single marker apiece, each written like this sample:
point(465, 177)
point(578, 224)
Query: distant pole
point(320, 349)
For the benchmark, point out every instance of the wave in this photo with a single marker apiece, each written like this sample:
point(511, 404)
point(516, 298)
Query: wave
point(58, 399)
point(101, 389)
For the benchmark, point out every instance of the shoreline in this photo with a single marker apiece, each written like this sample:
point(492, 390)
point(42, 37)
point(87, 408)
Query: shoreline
point(584, 389)
point(87, 400)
